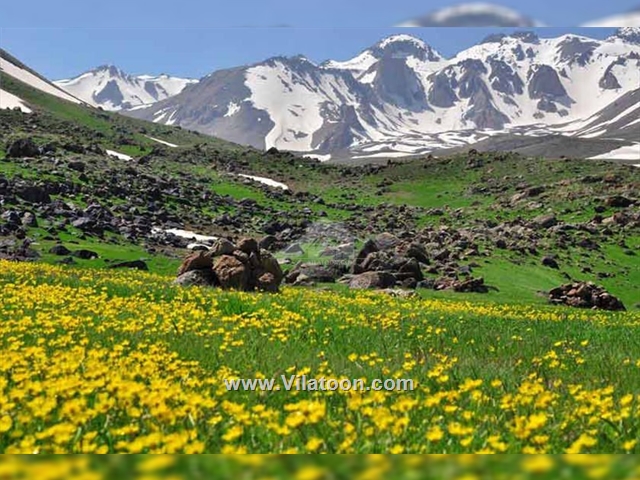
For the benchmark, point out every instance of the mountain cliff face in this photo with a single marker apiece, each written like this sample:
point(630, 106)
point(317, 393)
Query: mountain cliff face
point(112, 89)
point(402, 96)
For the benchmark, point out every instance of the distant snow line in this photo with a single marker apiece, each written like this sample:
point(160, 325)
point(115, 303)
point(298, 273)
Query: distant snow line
point(121, 156)
point(172, 145)
point(266, 181)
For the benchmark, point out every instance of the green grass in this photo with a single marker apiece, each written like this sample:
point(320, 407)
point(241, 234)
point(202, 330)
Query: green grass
point(110, 250)
point(151, 344)
point(423, 184)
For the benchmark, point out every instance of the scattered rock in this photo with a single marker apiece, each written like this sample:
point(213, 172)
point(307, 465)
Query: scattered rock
point(550, 262)
point(198, 247)
point(23, 147)
point(368, 248)
point(585, 295)
point(248, 246)
point(11, 217)
point(313, 272)
point(34, 194)
point(427, 283)
point(83, 223)
point(78, 166)
point(196, 261)
point(618, 201)
point(196, 278)
point(29, 220)
point(545, 221)
point(222, 246)
point(133, 264)
point(475, 285)
point(268, 242)
point(387, 241)
point(231, 272)
point(417, 251)
point(368, 280)
point(59, 250)
point(84, 254)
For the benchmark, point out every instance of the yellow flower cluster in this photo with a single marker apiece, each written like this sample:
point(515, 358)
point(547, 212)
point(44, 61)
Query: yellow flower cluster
point(98, 362)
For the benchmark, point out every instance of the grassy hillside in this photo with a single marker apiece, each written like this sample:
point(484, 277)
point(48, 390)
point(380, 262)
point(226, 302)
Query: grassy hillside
point(108, 128)
point(366, 200)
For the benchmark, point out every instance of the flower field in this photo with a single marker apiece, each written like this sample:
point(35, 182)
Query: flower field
point(322, 467)
point(125, 362)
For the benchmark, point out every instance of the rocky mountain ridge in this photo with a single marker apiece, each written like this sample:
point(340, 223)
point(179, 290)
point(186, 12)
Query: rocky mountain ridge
point(401, 97)
point(112, 89)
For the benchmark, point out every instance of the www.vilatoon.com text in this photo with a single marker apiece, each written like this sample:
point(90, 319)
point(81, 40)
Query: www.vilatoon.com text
point(294, 382)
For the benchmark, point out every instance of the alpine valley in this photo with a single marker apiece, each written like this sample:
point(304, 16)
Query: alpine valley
point(569, 95)
point(148, 271)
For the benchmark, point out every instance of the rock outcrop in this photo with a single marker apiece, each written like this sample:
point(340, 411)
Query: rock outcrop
point(585, 295)
point(243, 266)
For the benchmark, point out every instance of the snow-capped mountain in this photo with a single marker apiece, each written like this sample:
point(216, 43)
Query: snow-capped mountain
point(112, 89)
point(12, 67)
point(402, 97)
point(531, 79)
point(473, 15)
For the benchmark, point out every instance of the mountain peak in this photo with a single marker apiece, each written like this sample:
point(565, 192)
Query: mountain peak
point(294, 60)
point(112, 70)
point(402, 38)
point(523, 36)
point(628, 34)
point(405, 45)
point(526, 36)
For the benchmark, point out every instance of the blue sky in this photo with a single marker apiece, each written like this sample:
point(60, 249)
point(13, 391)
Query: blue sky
point(66, 52)
point(297, 13)
point(62, 38)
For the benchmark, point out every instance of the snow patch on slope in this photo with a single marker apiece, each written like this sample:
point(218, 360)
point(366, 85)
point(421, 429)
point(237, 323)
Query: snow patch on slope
point(9, 101)
point(34, 81)
point(121, 156)
point(187, 234)
point(172, 145)
point(322, 158)
point(358, 66)
point(265, 181)
point(631, 152)
point(232, 109)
